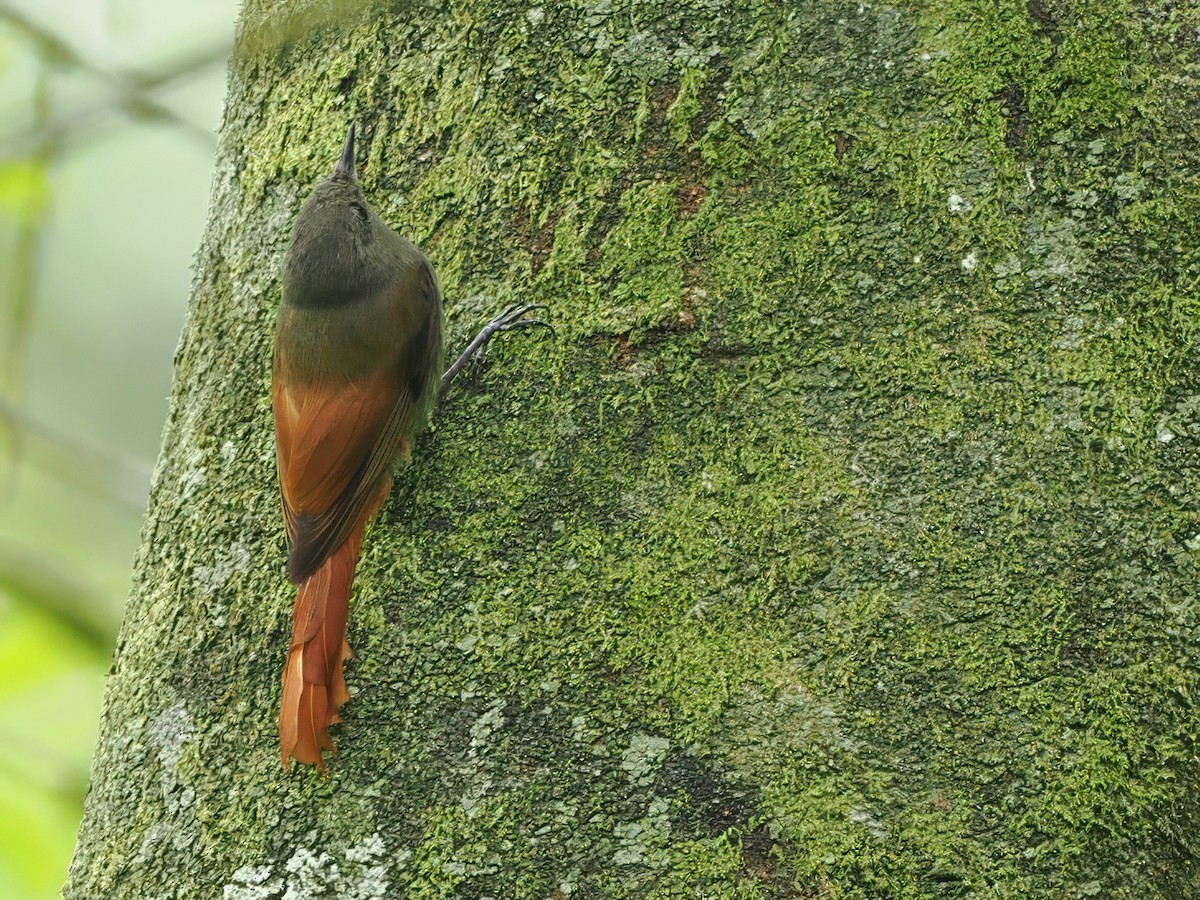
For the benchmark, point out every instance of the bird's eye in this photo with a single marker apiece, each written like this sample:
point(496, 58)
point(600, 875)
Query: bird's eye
point(360, 210)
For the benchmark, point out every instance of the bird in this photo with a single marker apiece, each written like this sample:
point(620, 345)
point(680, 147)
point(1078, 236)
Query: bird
point(357, 358)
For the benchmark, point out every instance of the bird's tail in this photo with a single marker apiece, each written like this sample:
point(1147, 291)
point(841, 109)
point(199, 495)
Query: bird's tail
point(314, 686)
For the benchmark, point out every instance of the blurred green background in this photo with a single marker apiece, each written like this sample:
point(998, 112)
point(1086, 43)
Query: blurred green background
point(108, 116)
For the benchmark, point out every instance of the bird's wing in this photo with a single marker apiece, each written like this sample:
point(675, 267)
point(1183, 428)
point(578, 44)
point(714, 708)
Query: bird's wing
point(336, 441)
point(333, 444)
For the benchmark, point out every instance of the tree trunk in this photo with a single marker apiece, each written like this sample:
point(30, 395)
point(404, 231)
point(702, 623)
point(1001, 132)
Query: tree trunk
point(843, 544)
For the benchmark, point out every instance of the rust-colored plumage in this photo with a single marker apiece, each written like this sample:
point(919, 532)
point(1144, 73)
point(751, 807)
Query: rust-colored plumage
point(357, 356)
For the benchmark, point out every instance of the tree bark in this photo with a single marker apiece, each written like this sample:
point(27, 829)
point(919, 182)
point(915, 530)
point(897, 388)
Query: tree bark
point(843, 544)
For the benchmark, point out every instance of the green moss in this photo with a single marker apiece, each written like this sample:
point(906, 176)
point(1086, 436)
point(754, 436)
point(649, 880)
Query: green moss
point(641, 260)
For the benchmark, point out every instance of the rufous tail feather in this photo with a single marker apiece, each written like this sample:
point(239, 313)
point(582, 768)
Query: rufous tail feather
point(314, 686)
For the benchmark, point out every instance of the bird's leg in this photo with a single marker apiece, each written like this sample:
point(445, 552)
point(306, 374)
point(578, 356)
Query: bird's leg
point(512, 319)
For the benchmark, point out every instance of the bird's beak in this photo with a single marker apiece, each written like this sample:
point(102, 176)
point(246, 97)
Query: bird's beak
point(345, 166)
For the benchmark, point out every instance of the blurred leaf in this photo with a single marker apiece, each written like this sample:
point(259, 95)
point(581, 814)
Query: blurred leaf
point(123, 479)
point(50, 683)
point(129, 95)
point(43, 667)
point(24, 189)
point(36, 836)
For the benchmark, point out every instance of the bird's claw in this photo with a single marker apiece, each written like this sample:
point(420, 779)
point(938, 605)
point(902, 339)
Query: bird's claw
point(514, 318)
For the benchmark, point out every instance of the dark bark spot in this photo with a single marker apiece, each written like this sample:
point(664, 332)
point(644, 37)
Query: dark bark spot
point(843, 143)
point(760, 855)
point(1046, 20)
point(690, 198)
point(624, 351)
point(538, 240)
point(662, 95)
point(1016, 113)
point(714, 804)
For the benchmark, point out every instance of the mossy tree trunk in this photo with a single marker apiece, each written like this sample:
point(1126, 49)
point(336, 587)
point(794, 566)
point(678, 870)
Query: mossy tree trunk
point(843, 544)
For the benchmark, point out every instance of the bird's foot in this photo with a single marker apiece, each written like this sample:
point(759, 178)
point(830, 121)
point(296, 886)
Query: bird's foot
point(514, 318)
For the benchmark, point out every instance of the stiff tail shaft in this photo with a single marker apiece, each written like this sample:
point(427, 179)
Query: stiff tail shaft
point(314, 686)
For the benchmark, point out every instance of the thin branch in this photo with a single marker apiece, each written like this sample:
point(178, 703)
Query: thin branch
point(68, 781)
point(22, 283)
point(178, 68)
point(133, 89)
point(42, 586)
point(124, 480)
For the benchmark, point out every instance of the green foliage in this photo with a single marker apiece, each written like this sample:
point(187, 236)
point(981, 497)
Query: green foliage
point(45, 671)
point(23, 190)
